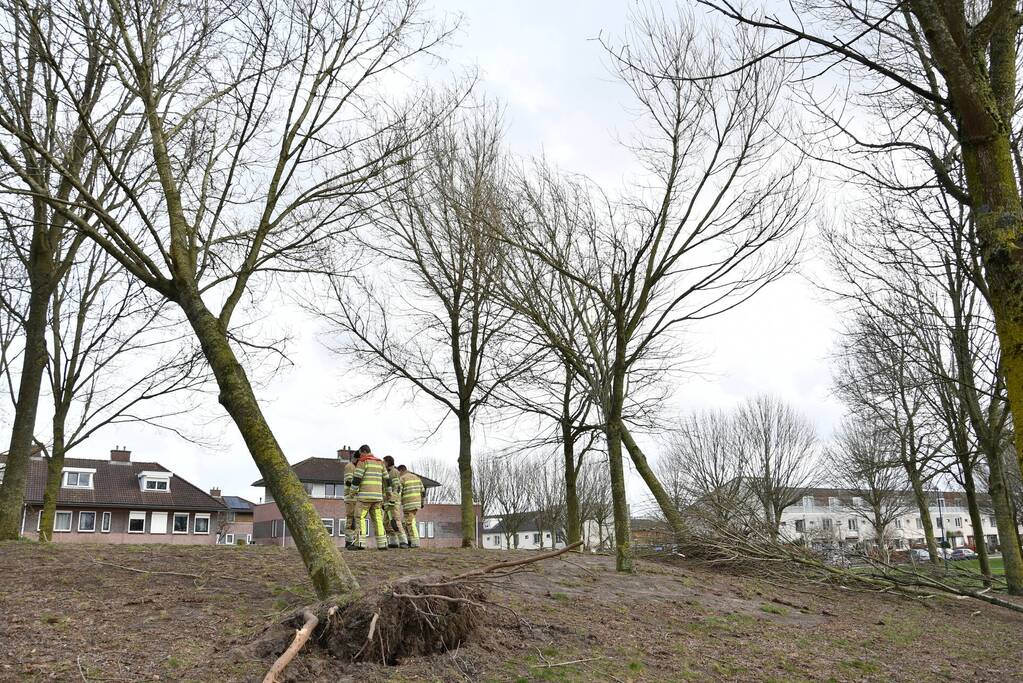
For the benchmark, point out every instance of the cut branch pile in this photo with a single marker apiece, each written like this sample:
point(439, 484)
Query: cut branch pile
point(407, 618)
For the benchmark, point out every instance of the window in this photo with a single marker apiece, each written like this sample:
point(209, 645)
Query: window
point(2, 467)
point(104, 525)
point(87, 521)
point(229, 539)
point(833, 502)
point(136, 522)
point(62, 520)
point(898, 523)
point(536, 538)
point(157, 484)
point(800, 525)
point(158, 523)
point(328, 524)
point(248, 539)
point(273, 528)
point(853, 524)
point(826, 524)
point(334, 490)
point(77, 480)
point(308, 488)
point(231, 517)
point(857, 502)
point(958, 522)
point(807, 502)
point(429, 529)
point(180, 522)
point(422, 532)
point(919, 523)
point(201, 524)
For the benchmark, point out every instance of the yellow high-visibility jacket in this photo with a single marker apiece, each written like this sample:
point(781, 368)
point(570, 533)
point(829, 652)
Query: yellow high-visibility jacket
point(411, 491)
point(368, 480)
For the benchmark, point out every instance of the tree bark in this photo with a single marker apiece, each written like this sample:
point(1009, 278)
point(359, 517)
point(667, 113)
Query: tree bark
point(54, 473)
point(465, 479)
point(668, 509)
point(573, 523)
point(12, 490)
point(619, 504)
point(329, 573)
point(923, 505)
point(976, 520)
point(1008, 537)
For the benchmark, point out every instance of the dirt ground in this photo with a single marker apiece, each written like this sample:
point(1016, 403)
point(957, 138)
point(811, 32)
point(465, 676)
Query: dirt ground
point(79, 613)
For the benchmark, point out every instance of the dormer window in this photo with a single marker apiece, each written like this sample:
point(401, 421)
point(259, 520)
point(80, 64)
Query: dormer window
point(158, 482)
point(78, 478)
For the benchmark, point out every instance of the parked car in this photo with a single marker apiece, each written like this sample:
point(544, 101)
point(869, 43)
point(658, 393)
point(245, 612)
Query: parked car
point(962, 554)
point(919, 555)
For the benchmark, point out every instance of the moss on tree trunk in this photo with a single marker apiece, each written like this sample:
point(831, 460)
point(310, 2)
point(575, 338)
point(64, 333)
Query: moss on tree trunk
point(924, 507)
point(328, 571)
point(54, 472)
point(668, 509)
point(573, 525)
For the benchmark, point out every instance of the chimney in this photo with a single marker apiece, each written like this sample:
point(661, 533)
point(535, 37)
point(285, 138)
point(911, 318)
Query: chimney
point(215, 492)
point(120, 454)
point(342, 453)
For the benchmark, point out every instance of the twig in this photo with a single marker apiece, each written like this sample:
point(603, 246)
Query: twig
point(447, 598)
point(81, 671)
point(300, 637)
point(197, 577)
point(515, 563)
point(551, 665)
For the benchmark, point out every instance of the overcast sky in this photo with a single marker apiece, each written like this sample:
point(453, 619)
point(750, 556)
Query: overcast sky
point(543, 61)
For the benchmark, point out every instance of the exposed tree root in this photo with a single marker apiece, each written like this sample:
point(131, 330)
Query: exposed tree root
point(300, 637)
point(410, 617)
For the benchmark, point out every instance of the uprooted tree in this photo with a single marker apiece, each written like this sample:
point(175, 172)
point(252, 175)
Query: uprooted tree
point(240, 139)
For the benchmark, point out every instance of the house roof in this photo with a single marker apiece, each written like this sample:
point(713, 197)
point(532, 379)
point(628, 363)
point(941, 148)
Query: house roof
point(116, 485)
point(516, 522)
point(330, 471)
point(237, 504)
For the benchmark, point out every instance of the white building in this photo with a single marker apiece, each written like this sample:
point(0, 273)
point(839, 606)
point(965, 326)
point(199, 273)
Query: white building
point(523, 534)
point(842, 516)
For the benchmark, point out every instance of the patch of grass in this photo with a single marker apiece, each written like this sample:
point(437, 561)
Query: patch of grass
point(860, 665)
point(771, 608)
point(561, 597)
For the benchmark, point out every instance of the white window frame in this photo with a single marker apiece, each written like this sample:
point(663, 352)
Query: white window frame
point(3, 467)
point(429, 529)
point(156, 488)
point(152, 519)
point(273, 528)
point(195, 523)
point(77, 471)
point(105, 522)
point(137, 514)
point(188, 522)
point(70, 520)
point(228, 539)
point(94, 521)
point(248, 539)
point(324, 520)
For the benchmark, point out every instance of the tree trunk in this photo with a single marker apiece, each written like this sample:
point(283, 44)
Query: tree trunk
point(12, 490)
point(998, 214)
point(54, 472)
point(668, 509)
point(976, 520)
point(572, 521)
point(923, 505)
point(1008, 537)
point(329, 573)
point(465, 479)
point(619, 504)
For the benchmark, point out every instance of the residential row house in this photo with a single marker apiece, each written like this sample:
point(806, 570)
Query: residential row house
point(440, 524)
point(120, 501)
point(842, 516)
point(519, 531)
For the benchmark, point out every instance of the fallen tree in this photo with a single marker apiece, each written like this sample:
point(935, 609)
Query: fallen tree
point(754, 551)
point(409, 617)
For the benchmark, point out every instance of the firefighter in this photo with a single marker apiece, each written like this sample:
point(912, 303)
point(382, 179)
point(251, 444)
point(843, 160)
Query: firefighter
point(351, 503)
point(396, 537)
point(411, 501)
point(368, 488)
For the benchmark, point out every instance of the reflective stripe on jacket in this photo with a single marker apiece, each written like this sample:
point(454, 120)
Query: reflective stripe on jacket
point(411, 491)
point(368, 481)
point(349, 474)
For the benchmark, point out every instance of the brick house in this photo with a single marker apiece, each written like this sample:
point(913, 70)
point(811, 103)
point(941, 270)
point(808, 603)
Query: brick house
point(235, 524)
point(440, 524)
point(120, 501)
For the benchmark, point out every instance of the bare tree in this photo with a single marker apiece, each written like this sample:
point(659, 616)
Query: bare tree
point(99, 319)
point(949, 71)
point(596, 507)
point(511, 497)
point(707, 228)
point(779, 450)
point(865, 460)
point(257, 136)
point(547, 499)
point(442, 472)
point(426, 315)
point(704, 458)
